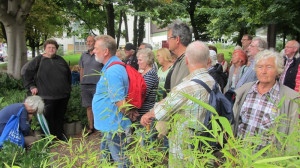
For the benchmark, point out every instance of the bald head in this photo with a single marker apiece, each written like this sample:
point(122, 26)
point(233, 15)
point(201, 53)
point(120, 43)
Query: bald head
point(197, 53)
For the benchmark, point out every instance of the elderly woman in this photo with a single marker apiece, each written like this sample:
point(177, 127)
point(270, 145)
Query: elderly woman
point(49, 76)
point(256, 109)
point(32, 105)
point(145, 62)
point(237, 69)
point(165, 59)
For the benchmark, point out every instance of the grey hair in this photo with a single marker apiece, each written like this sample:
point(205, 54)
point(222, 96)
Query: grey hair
point(182, 30)
point(147, 45)
point(262, 43)
point(197, 53)
point(108, 42)
point(148, 55)
point(36, 103)
point(270, 54)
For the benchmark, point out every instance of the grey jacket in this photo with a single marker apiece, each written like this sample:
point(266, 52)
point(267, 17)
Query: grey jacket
point(289, 107)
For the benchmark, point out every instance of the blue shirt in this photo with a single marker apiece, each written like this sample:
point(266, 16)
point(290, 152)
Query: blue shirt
point(13, 109)
point(111, 88)
point(248, 76)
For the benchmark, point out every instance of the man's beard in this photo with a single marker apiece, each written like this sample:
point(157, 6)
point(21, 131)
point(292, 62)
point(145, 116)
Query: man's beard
point(100, 60)
point(90, 49)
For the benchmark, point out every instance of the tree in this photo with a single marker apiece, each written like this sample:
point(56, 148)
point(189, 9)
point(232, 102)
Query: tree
point(13, 14)
point(44, 21)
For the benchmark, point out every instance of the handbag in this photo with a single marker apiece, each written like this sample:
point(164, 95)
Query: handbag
point(11, 131)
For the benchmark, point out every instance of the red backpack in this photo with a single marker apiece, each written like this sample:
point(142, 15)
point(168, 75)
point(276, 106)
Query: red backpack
point(137, 85)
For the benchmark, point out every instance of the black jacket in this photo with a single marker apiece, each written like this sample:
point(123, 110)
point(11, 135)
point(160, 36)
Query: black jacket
point(51, 76)
point(219, 76)
point(291, 73)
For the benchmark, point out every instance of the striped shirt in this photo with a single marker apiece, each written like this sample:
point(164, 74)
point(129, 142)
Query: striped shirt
point(258, 113)
point(151, 80)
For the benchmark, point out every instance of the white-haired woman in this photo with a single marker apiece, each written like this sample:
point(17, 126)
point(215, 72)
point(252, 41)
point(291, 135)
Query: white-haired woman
point(32, 105)
point(145, 61)
point(256, 109)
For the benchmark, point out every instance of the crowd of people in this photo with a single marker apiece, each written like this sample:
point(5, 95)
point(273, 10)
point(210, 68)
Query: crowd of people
point(259, 76)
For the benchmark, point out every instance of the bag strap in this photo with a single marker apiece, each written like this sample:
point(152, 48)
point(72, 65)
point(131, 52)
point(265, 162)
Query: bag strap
point(208, 113)
point(20, 111)
point(203, 84)
point(114, 63)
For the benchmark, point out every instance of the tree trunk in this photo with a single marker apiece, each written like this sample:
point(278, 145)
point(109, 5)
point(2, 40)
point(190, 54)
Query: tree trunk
point(17, 51)
point(141, 30)
point(271, 36)
point(120, 27)
point(126, 27)
point(135, 32)
point(191, 11)
point(13, 14)
point(110, 19)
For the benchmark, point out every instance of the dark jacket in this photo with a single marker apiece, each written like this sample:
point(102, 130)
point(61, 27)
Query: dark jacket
point(219, 76)
point(132, 61)
point(291, 73)
point(51, 76)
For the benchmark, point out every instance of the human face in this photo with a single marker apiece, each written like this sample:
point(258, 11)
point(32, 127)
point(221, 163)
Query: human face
point(171, 41)
point(253, 49)
point(266, 71)
point(245, 41)
point(99, 52)
point(50, 50)
point(235, 58)
point(90, 42)
point(290, 49)
point(142, 47)
point(141, 61)
point(159, 58)
point(129, 53)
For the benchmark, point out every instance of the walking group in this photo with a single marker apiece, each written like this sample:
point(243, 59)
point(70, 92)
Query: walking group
point(261, 78)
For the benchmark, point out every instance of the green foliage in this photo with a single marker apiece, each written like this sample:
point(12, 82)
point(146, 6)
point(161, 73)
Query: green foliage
point(35, 125)
point(12, 155)
point(74, 110)
point(72, 59)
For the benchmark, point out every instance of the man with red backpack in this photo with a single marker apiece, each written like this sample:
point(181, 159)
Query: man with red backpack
point(111, 92)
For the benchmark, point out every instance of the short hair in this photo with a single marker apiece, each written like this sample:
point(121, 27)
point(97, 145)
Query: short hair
point(147, 45)
point(270, 54)
point(242, 55)
point(122, 53)
point(197, 53)
point(108, 42)
point(182, 30)
point(248, 36)
point(36, 103)
point(51, 41)
point(166, 54)
point(262, 43)
point(213, 48)
point(295, 43)
point(148, 55)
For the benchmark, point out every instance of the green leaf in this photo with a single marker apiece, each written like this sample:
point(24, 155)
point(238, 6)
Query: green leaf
point(260, 152)
point(226, 126)
point(201, 103)
point(276, 159)
point(227, 154)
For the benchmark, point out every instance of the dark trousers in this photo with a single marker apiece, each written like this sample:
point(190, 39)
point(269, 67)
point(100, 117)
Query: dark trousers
point(54, 113)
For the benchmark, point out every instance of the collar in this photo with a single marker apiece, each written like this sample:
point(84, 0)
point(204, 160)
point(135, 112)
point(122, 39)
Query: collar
point(195, 73)
point(273, 91)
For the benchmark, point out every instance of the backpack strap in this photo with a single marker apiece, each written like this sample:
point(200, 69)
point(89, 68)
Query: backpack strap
point(208, 113)
point(203, 84)
point(114, 63)
point(20, 111)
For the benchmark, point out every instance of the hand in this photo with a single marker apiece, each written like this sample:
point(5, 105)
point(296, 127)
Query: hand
point(132, 114)
point(34, 91)
point(146, 119)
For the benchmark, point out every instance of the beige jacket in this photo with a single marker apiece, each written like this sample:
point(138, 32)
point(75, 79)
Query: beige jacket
point(289, 107)
point(180, 71)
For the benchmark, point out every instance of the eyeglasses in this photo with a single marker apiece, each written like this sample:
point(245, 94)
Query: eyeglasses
point(244, 39)
point(171, 37)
